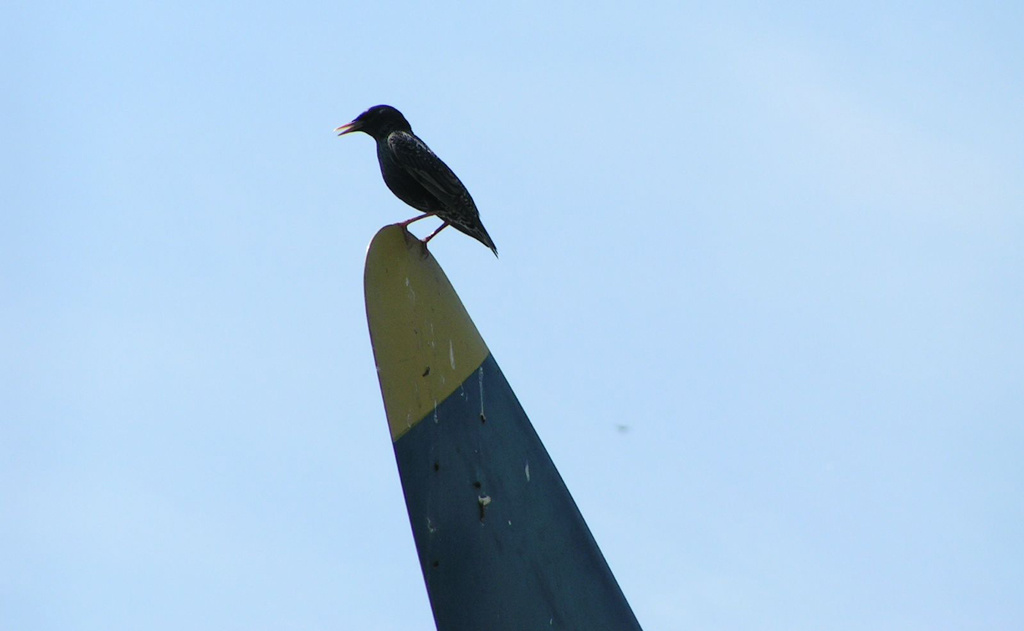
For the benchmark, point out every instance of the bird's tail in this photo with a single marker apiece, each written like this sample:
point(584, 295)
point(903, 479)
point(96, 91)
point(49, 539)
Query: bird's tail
point(478, 232)
point(485, 238)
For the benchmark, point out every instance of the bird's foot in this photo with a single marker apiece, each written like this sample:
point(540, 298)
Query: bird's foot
point(434, 233)
point(415, 219)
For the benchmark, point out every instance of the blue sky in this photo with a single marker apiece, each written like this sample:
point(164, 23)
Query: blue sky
point(781, 245)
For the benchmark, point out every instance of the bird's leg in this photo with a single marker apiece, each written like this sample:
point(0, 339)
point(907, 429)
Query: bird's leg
point(415, 219)
point(434, 233)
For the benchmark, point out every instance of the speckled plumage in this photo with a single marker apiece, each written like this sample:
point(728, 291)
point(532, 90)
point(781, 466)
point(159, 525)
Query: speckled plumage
point(416, 175)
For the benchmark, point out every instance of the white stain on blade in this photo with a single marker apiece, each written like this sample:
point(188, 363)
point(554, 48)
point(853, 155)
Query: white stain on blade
point(480, 373)
point(412, 292)
point(451, 353)
point(527, 470)
point(435, 411)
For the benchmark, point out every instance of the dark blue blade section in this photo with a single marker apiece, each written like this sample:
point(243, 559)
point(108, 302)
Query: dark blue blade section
point(501, 542)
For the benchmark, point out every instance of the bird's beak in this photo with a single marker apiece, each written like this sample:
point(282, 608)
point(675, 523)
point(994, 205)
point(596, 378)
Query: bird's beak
point(347, 128)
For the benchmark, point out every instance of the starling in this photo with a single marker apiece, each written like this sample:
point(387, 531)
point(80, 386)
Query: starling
point(416, 175)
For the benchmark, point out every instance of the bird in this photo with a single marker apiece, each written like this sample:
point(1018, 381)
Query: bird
point(417, 176)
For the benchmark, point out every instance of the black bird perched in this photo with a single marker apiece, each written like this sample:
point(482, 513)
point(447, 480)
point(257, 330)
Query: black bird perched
point(416, 175)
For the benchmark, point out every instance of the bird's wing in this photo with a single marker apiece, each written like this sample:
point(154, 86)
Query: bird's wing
point(413, 155)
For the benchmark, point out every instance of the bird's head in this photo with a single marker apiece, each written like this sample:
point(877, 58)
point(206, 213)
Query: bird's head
point(378, 121)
